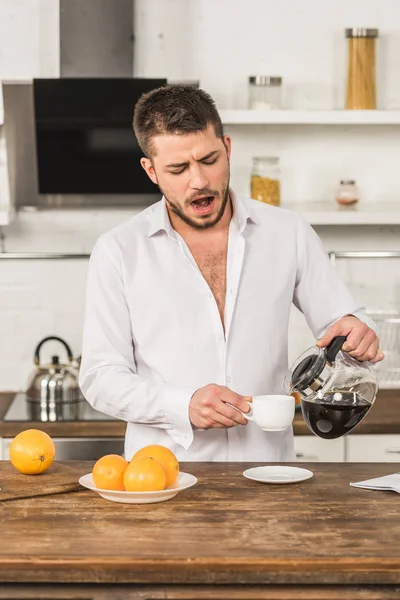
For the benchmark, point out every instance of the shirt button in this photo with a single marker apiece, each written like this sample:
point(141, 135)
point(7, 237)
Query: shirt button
point(210, 296)
point(228, 379)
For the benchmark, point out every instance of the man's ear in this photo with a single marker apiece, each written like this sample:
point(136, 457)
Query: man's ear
point(228, 145)
point(148, 167)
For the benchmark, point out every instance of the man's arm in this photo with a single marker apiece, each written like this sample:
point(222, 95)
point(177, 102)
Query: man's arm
point(108, 376)
point(326, 302)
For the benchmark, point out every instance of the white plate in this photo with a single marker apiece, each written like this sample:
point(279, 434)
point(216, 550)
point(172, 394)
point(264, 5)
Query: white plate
point(184, 481)
point(278, 474)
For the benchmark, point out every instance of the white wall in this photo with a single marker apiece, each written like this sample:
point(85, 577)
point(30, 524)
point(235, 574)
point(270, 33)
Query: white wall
point(221, 43)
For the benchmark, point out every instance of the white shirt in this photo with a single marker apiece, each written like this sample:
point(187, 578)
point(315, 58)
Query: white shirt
point(153, 334)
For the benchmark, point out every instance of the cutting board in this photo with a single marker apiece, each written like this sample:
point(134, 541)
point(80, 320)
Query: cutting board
point(58, 479)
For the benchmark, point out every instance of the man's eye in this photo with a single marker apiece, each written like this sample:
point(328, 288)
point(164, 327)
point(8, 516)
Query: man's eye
point(177, 172)
point(210, 162)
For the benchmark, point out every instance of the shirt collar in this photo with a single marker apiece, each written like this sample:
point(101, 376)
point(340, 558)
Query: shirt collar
point(159, 218)
point(242, 213)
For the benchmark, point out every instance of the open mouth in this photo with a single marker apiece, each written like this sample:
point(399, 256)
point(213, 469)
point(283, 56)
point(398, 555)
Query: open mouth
point(203, 205)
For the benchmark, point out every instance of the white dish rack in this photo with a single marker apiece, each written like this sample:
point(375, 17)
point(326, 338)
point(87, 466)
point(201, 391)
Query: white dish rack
point(388, 323)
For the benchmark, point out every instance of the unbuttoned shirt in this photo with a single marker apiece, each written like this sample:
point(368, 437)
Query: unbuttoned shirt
point(153, 333)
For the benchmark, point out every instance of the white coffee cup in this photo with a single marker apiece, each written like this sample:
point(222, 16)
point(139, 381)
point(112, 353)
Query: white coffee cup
point(271, 413)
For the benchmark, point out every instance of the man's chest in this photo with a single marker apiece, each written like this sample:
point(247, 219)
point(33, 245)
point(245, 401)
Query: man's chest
point(212, 266)
point(212, 263)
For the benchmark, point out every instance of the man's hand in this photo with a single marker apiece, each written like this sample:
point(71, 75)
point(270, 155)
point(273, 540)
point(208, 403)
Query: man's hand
point(362, 342)
point(208, 408)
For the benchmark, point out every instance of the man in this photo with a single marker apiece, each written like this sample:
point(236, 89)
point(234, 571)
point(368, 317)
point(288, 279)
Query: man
point(188, 302)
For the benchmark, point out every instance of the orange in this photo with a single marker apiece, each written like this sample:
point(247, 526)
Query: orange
point(144, 475)
point(32, 452)
point(165, 456)
point(108, 472)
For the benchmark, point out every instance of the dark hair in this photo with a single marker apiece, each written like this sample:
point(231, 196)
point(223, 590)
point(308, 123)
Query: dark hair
point(174, 109)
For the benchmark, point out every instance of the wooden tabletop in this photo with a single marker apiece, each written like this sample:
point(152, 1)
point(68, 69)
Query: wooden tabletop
point(224, 530)
point(384, 417)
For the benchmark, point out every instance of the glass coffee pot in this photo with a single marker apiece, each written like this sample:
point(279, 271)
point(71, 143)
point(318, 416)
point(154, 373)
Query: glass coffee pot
point(336, 390)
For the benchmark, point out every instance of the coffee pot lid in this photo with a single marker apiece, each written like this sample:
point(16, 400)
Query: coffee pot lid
point(310, 365)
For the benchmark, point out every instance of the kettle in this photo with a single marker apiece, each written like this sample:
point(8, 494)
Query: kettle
point(53, 392)
point(336, 390)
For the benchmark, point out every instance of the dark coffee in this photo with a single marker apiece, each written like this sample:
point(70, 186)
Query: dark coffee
point(330, 418)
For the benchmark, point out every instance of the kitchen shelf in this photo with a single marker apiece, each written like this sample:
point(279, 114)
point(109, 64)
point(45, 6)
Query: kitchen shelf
point(367, 213)
point(301, 117)
point(310, 117)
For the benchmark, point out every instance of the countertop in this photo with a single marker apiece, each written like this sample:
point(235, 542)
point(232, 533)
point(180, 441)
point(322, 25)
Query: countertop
point(384, 418)
point(224, 530)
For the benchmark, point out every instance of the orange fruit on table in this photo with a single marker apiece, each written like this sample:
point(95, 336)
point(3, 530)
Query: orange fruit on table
point(32, 452)
point(144, 475)
point(165, 456)
point(108, 472)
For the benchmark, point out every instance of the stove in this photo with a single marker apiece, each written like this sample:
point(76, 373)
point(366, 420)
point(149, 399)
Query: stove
point(21, 409)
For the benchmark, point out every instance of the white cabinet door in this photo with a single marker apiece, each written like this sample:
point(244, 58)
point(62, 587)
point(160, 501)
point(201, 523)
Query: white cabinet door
point(310, 448)
point(373, 448)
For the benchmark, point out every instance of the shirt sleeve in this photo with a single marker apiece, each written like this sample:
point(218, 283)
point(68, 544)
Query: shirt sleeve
point(319, 292)
point(108, 375)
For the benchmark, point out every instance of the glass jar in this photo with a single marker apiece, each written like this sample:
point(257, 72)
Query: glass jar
point(265, 93)
point(347, 192)
point(361, 73)
point(265, 180)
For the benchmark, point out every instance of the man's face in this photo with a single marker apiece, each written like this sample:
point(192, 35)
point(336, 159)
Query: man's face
point(192, 171)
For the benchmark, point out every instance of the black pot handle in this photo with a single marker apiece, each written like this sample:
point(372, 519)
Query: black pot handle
point(57, 339)
point(333, 348)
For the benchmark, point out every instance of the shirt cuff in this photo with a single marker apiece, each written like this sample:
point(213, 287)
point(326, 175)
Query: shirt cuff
point(176, 409)
point(359, 314)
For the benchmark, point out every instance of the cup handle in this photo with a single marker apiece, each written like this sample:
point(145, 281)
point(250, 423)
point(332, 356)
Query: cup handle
point(249, 415)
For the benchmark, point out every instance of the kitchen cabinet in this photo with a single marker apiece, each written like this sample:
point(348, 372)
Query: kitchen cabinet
point(310, 448)
point(373, 448)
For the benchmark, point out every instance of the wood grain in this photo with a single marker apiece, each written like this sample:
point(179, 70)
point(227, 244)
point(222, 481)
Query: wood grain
point(189, 592)
point(226, 530)
point(58, 479)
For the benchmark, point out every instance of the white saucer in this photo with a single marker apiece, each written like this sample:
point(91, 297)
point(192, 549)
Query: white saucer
point(184, 481)
point(278, 474)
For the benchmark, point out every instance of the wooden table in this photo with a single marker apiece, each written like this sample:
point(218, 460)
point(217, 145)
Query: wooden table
point(227, 537)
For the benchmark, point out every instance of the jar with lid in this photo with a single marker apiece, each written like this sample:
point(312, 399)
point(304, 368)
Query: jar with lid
point(265, 92)
point(347, 192)
point(361, 70)
point(265, 180)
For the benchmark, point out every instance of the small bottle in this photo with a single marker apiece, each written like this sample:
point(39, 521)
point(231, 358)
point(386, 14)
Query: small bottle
point(265, 180)
point(347, 192)
point(265, 92)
